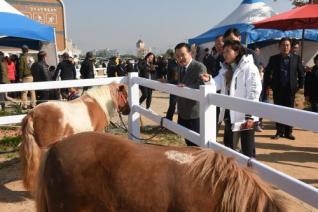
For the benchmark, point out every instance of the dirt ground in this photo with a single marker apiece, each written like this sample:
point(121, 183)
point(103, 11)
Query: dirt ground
point(297, 158)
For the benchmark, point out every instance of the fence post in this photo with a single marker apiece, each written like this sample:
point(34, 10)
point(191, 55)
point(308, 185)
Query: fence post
point(133, 99)
point(207, 116)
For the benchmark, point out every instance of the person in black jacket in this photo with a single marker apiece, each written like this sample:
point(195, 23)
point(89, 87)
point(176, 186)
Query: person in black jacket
point(285, 75)
point(87, 67)
point(147, 69)
point(311, 86)
point(120, 68)
point(66, 71)
point(161, 69)
point(173, 70)
point(112, 67)
point(210, 63)
point(40, 73)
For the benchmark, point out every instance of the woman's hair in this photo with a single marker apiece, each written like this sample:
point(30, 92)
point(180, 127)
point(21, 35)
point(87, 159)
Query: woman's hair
point(149, 54)
point(236, 46)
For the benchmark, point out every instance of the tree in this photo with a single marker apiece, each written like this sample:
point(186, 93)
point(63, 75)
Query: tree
point(299, 3)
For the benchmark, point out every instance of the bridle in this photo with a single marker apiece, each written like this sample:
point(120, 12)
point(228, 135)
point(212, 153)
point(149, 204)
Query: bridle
point(121, 100)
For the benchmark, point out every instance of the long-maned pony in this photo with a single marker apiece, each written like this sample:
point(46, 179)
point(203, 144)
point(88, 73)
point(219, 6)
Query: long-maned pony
point(101, 172)
point(52, 121)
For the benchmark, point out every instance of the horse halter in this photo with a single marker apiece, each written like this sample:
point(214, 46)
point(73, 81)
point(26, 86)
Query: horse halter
point(121, 100)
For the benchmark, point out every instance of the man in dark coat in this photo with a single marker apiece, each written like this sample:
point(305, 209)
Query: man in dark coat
point(120, 68)
point(173, 70)
point(65, 69)
point(311, 86)
point(87, 67)
point(190, 71)
point(210, 62)
point(285, 75)
point(112, 67)
point(40, 73)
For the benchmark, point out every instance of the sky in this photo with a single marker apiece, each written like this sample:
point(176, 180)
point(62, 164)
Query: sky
point(119, 24)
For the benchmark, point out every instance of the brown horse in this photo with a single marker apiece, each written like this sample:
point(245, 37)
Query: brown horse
point(101, 172)
point(52, 121)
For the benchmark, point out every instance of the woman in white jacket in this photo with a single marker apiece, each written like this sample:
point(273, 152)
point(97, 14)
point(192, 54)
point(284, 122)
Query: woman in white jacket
point(239, 77)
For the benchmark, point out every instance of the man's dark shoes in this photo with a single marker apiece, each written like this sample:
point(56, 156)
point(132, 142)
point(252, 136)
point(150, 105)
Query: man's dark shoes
point(290, 137)
point(276, 137)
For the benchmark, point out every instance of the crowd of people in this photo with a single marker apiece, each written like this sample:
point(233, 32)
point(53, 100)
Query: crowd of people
point(235, 71)
point(232, 68)
point(26, 69)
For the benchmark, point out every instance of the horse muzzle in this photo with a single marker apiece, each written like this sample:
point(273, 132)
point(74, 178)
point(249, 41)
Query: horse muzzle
point(125, 111)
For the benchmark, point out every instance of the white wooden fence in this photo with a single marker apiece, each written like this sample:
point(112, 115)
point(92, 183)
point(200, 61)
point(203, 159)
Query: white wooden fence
point(207, 137)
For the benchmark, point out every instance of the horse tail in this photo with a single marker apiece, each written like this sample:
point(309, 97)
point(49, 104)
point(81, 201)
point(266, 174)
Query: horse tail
point(235, 189)
point(30, 153)
point(40, 195)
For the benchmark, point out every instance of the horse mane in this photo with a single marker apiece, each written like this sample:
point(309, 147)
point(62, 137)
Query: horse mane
point(102, 95)
point(236, 189)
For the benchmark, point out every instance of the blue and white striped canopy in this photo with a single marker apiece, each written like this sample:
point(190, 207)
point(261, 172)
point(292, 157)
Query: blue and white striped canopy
point(15, 24)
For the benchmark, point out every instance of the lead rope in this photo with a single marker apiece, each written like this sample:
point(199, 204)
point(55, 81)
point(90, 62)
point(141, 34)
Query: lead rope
point(124, 127)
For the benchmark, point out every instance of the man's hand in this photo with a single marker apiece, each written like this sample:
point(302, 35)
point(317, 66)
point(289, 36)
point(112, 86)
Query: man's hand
point(307, 69)
point(249, 124)
point(205, 77)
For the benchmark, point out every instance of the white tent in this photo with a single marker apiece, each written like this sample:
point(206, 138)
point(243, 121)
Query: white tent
point(7, 8)
point(242, 17)
point(249, 11)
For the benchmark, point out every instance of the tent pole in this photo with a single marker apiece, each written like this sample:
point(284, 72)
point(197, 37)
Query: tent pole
point(246, 39)
point(55, 46)
point(302, 44)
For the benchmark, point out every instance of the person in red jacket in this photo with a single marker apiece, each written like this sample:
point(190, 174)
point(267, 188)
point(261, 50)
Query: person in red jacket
point(11, 69)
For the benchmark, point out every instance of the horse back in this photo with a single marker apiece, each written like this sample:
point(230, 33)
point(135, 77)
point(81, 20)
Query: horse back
point(56, 120)
point(107, 173)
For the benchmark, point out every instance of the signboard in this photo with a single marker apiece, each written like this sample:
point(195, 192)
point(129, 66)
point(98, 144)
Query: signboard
point(49, 12)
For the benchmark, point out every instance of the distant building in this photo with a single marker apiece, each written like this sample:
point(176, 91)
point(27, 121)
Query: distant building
point(106, 53)
point(49, 12)
point(141, 49)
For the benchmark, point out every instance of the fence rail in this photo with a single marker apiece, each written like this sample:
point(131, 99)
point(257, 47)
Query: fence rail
point(14, 87)
point(208, 99)
point(290, 116)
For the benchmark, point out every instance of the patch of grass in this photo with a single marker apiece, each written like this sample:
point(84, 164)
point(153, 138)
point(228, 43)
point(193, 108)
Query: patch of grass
point(163, 137)
point(9, 143)
point(13, 127)
point(16, 110)
point(11, 155)
point(5, 113)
